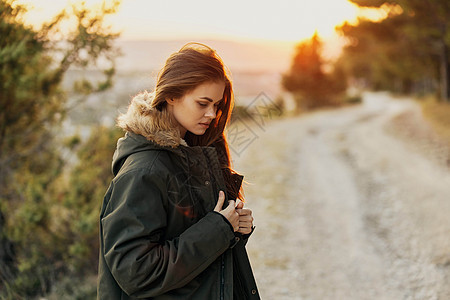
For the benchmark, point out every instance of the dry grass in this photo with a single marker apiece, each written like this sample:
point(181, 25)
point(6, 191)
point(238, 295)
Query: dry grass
point(438, 114)
point(432, 137)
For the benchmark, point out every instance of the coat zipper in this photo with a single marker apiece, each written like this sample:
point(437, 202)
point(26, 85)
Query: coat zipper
point(222, 278)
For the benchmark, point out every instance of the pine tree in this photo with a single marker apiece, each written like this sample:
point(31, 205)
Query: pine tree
point(32, 107)
point(307, 80)
point(408, 51)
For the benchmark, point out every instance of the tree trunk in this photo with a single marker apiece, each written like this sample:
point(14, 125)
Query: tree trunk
point(7, 268)
point(445, 73)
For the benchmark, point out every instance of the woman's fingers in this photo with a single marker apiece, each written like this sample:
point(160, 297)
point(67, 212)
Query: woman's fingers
point(244, 229)
point(229, 212)
point(245, 220)
point(244, 211)
point(240, 205)
point(231, 205)
point(219, 204)
point(231, 215)
point(239, 217)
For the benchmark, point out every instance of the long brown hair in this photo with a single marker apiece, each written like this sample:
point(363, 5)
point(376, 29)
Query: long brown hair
point(193, 65)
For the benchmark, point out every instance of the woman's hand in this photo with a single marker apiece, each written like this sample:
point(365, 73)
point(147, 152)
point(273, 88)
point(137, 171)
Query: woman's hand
point(230, 213)
point(245, 219)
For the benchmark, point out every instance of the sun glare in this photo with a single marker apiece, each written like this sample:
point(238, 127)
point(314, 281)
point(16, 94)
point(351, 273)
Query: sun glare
point(281, 20)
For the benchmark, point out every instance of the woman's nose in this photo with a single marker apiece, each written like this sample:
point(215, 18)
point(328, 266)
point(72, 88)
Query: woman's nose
point(211, 113)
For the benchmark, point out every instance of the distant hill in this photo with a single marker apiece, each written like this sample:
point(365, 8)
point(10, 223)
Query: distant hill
point(255, 67)
point(251, 56)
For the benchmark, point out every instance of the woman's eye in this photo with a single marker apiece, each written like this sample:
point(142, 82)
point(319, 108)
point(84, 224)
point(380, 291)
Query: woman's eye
point(202, 104)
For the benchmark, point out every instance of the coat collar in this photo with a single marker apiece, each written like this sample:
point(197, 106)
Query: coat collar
point(156, 126)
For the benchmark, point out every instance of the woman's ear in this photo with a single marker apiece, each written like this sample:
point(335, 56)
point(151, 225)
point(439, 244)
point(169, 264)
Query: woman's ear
point(170, 101)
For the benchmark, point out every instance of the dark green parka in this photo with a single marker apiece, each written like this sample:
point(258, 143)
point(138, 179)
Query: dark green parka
point(153, 243)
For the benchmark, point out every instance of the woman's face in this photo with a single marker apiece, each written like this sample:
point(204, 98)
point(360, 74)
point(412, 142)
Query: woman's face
point(197, 108)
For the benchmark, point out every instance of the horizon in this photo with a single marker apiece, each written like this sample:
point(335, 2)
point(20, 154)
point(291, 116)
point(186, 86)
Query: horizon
point(241, 56)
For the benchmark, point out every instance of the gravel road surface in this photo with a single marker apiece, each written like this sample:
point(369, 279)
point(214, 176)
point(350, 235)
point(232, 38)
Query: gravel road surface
point(351, 203)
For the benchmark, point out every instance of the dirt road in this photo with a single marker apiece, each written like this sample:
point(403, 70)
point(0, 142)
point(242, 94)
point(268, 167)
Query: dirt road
point(349, 204)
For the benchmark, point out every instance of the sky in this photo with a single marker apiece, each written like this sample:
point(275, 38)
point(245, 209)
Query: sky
point(279, 20)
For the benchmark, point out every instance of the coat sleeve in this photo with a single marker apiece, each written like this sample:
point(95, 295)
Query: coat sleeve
point(132, 226)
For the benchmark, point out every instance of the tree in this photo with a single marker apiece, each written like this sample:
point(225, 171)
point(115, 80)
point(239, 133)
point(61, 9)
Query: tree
point(409, 48)
point(32, 106)
point(308, 81)
point(82, 194)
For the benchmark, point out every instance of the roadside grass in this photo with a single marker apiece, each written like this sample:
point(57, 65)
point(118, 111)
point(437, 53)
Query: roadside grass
point(438, 114)
point(269, 172)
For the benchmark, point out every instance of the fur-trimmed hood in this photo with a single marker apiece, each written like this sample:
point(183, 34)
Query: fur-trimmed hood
point(146, 129)
point(156, 126)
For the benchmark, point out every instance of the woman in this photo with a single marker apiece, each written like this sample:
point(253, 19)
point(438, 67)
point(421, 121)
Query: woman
point(169, 225)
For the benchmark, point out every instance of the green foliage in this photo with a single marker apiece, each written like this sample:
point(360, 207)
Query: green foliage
point(407, 52)
point(239, 112)
point(85, 190)
point(48, 211)
point(74, 288)
point(354, 99)
point(308, 81)
point(56, 228)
